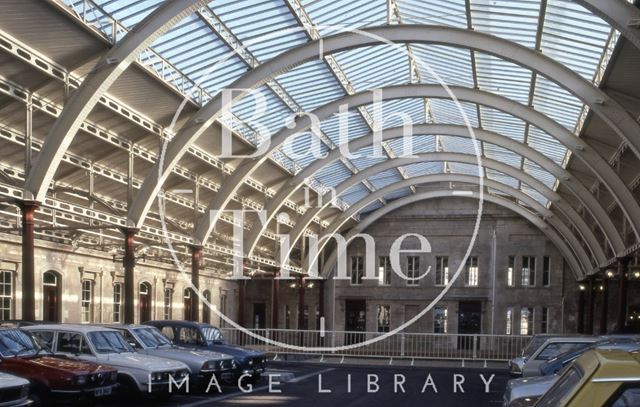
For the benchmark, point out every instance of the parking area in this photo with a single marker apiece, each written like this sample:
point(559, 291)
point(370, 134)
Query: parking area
point(315, 384)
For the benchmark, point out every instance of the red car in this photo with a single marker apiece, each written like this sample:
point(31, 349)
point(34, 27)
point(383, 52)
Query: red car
point(53, 378)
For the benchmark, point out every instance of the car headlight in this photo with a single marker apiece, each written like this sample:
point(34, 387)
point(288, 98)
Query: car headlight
point(250, 362)
point(81, 380)
point(156, 376)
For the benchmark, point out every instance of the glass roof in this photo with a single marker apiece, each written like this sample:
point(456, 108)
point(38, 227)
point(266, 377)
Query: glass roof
point(200, 50)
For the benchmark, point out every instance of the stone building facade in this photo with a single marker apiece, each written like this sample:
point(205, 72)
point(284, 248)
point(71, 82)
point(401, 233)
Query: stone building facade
point(83, 285)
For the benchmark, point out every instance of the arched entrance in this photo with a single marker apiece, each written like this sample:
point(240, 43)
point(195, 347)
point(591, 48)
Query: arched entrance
point(206, 311)
point(144, 302)
point(51, 296)
point(187, 304)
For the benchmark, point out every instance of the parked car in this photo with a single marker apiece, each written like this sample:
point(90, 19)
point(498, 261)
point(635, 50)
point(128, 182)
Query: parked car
point(51, 377)
point(204, 336)
point(137, 373)
point(597, 378)
point(14, 391)
point(553, 347)
point(202, 363)
point(516, 364)
point(525, 392)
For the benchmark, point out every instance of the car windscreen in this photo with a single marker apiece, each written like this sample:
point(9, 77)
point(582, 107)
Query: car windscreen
point(533, 345)
point(555, 349)
point(109, 342)
point(563, 387)
point(14, 342)
point(212, 334)
point(151, 337)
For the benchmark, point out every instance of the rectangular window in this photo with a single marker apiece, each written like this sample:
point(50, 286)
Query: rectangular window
point(117, 302)
point(526, 321)
point(510, 270)
point(384, 270)
point(357, 270)
point(168, 300)
point(413, 270)
point(440, 315)
point(544, 323)
point(223, 307)
point(87, 301)
point(471, 271)
point(442, 270)
point(6, 295)
point(528, 271)
point(384, 315)
point(509, 330)
point(546, 271)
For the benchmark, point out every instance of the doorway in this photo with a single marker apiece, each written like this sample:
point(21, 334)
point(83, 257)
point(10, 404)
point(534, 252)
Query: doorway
point(51, 292)
point(206, 311)
point(259, 315)
point(469, 323)
point(187, 304)
point(144, 302)
point(355, 321)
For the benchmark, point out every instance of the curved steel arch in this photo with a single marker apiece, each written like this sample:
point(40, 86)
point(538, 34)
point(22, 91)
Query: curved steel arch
point(549, 232)
point(619, 14)
point(97, 82)
point(586, 198)
point(579, 147)
point(609, 110)
point(585, 232)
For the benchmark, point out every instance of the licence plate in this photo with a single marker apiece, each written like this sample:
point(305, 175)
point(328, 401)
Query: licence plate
point(103, 391)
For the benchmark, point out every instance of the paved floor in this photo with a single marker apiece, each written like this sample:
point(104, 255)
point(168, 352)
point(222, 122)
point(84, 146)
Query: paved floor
point(311, 384)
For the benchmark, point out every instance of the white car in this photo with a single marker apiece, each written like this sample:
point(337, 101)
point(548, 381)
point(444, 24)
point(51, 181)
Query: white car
point(14, 391)
point(136, 372)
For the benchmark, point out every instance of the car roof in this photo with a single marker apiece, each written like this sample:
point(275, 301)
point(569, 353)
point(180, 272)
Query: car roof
point(173, 322)
point(69, 327)
point(612, 364)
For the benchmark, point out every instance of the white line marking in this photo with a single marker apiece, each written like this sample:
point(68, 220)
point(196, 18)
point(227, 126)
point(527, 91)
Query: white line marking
point(305, 377)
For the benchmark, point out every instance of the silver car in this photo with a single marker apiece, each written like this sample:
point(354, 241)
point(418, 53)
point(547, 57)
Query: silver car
point(553, 347)
point(202, 363)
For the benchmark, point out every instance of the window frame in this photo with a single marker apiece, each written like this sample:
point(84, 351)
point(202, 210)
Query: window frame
point(4, 298)
point(116, 313)
point(442, 271)
point(383, 328)
point(384, 270)
point(467, 271)
point(546, 271)
point(440, 324)
point(86, 306)
point(413, 271)
point(511, 270)
point(531, 280)
point(359, 269)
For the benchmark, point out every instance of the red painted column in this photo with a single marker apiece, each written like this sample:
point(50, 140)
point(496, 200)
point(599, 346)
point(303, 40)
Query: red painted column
point(592, 303)
point(275, 293)
point(28, 209)
point(241, 298)
point(604, 311)
point(623, 271)
point(196, 256)
point(581, 305)
point(129, 263)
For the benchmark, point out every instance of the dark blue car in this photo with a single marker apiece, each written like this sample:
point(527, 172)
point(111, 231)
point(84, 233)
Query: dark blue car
point(198, 335)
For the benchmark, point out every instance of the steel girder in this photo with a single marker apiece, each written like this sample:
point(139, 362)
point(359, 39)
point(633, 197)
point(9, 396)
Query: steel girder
point(591, 241)
point(558, 241)
point(579, 147)
point(608, 109)
point(98, 81)
point(622, 15)
point(582, 193)
point(585, 232)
